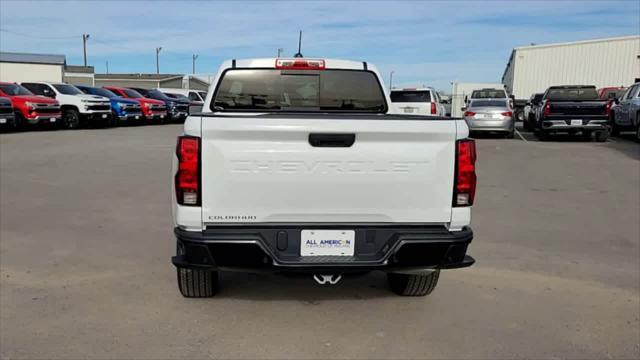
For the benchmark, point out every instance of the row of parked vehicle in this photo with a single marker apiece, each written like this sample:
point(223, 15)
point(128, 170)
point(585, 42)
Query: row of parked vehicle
point(573, 109)
point(583, 110)
point(486, 110)
point(62, 105)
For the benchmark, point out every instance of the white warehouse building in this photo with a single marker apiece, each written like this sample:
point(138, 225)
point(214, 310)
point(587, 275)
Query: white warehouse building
point(600, 62)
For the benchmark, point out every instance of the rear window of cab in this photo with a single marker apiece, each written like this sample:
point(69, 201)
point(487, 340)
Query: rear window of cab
point(267, 90)
point(410, 96)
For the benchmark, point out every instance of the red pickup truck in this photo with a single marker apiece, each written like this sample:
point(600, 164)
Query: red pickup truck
point(152, 109)
point(30, 108)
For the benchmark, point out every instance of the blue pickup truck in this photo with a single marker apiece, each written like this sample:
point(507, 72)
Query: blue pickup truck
point(122, 109)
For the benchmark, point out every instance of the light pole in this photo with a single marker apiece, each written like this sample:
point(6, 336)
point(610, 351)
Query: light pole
point(280, 51)
point(85, 37)
point(391, 80)
point(158, 49)
point(107, 63)
point(194, 57)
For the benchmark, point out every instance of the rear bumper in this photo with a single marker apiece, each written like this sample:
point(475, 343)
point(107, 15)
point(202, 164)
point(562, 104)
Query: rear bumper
point(571, 124)
point(393, 248)
point(506, 124)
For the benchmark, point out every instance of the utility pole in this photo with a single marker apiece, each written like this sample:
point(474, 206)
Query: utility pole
point(194, 57)
point(280, 51)
point(107, 63)
point(85, 37)
point(158, 49)
point(299, 54)
point(391, 80)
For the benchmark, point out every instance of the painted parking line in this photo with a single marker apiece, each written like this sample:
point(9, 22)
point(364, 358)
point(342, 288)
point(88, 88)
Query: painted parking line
point(521, 137)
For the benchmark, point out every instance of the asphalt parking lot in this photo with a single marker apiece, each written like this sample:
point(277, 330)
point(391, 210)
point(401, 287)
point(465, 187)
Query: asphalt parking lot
point(85, 242)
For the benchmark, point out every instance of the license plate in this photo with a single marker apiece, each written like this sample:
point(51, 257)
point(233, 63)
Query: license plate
point(104, 116)
point(327, 242)
point(408, 110)
point(53, 119)
point(3, 121)
point(576, 122)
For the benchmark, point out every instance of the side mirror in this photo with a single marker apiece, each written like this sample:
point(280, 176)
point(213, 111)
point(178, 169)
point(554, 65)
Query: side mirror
point(528, 103)
point(464, 108)
point(616, 101)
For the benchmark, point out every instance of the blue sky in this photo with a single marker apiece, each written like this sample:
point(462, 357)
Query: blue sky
point(423, 42)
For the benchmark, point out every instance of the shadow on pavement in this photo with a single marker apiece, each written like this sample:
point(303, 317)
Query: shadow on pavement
point(270, 286)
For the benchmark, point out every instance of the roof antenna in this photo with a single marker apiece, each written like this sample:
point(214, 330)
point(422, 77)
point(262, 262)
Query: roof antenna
point(299, 54)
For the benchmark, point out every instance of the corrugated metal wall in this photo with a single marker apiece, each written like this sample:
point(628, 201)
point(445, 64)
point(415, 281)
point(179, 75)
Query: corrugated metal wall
point(613, 62)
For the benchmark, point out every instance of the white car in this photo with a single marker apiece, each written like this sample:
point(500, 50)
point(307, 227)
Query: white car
point(297, 165)
point(77, 107)
point(419, 101)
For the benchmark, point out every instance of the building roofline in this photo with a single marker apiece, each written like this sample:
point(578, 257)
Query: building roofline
point(31, 58)
point(580, 42)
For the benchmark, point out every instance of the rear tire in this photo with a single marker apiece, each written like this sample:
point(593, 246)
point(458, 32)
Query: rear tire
point(412, 284)
point(638, 130)
point(527, 124)
point(196, 283)
point(615, 130)
point(602, 136)
point(71, 119)
point(542, 135)
point(511, 134)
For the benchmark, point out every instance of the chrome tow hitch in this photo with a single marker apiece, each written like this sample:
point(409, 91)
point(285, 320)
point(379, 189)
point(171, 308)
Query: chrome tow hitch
point(327, 279)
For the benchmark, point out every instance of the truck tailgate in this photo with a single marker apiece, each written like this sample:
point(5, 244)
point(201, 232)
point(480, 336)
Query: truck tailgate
point(578, 108)
point(264, 169)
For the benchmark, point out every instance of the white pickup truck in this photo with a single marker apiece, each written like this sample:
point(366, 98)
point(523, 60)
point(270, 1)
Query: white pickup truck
point(295, 165)
point(77, 107)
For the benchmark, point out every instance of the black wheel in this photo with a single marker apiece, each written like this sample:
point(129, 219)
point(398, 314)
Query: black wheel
point(71, 119)
point(19, 122)
point(412, 284)
point(615, 130)
point(511, 134)
point(541, 135)
point(114, 119)
point(638, 130)
point(519, 115)
point(602, 135)
point(527, 124)
point(195, 283)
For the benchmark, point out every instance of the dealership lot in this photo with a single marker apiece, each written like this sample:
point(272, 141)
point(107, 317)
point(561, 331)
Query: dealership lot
point(86, 238)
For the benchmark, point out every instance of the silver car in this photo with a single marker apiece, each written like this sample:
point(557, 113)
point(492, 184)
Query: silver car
point(490, 115)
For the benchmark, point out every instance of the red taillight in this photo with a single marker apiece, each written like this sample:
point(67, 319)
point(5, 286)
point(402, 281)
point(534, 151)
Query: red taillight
point(507, 114)
point(465, 177)
point(547, 108)
point(434, 110)
point(607, 108)
point(188, 176)
point(300, 64)
point(469, 113)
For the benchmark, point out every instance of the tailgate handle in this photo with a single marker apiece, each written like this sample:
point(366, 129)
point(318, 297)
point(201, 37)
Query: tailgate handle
point(332, 140)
